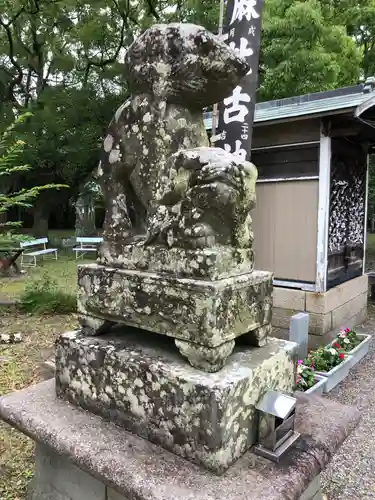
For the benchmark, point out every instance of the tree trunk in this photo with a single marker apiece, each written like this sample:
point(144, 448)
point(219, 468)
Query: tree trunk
point(41, 216)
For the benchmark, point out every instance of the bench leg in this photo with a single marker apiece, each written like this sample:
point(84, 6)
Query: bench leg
point(29, 262)
point(79, 254)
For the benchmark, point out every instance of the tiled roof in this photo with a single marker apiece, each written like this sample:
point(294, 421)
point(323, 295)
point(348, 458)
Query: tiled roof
point(309, 104)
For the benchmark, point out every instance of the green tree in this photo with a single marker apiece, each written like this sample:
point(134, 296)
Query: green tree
point(304, 49)
point(63, 141)
point(10, 153)
point(61, 60)
point(358, 17)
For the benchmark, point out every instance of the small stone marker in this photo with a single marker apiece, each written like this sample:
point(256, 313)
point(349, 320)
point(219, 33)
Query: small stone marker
point(299, 333)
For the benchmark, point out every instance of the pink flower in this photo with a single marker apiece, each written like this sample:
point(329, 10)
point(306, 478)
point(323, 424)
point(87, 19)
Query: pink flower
point(299, 362)
point(347, 330)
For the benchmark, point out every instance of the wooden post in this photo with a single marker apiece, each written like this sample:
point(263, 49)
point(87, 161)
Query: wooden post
point(323, 213)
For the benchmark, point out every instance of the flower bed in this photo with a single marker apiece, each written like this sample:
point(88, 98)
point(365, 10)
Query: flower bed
point(336, 374)
point(354, 344)
point(308, 381)
point(330, 362)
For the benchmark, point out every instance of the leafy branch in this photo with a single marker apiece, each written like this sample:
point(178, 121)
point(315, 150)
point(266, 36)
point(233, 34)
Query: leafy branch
point(10, 151)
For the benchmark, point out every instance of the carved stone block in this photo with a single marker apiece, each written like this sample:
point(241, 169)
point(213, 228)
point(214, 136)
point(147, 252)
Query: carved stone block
point(141, 383)
point(205, 314)
point(206, 263)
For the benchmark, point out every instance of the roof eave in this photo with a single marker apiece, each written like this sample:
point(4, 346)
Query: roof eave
point(318, 114)
point(364, 106)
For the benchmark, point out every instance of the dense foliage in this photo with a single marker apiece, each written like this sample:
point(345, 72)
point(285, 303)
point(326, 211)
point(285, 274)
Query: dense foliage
point(11, 150)
point(61, 59)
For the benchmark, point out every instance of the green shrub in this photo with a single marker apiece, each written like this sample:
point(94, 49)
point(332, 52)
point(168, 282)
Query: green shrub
point(43, 296)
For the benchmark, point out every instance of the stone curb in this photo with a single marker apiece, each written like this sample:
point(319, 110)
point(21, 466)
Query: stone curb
point(138, 469)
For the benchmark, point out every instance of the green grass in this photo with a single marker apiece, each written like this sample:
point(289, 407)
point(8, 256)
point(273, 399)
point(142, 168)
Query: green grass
point(63, 270)
point(20, 366)
point(45, 296)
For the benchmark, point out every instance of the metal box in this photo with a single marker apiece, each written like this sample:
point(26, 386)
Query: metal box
point(276, 419)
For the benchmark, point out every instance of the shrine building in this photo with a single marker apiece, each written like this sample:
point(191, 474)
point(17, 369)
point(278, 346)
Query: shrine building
point(312, 154)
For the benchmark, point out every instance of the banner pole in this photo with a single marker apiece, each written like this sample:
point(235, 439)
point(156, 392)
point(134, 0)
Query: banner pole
point(215, 111)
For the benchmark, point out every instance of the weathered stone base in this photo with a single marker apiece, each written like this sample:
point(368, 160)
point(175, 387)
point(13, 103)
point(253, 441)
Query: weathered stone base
point(136, 468)
point(203, 313)
point(57, 478)
point(342, 306)
point(209, 263)
point(144, 385)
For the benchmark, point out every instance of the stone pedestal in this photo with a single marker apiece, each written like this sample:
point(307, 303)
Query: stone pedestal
point(57, 478)
point(143, 384)
point(83, 454)
point(203, 263)
point(203, 316)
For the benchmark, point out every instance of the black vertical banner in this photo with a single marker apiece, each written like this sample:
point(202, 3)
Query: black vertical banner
point(242, 28)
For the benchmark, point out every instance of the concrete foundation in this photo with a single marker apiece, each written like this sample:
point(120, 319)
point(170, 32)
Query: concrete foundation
point(82, 457)
point(57, 478)
point(342, 306)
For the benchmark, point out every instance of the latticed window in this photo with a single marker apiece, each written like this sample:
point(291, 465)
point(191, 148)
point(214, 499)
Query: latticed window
point(347, 211)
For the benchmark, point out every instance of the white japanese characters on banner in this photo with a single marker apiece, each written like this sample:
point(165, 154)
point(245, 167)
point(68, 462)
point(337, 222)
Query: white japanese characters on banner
point(242, 28)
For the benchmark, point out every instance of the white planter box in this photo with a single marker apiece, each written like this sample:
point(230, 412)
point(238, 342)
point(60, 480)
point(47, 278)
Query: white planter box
point(318, 388)
point(361, 350)
point(337, 374)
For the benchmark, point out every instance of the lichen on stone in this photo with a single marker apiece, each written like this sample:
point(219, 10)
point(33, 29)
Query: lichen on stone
point(208, 418)
point(177, 256)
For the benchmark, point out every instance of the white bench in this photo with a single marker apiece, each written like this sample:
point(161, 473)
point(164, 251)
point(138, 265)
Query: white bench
point(86, 244)
point(39, 248)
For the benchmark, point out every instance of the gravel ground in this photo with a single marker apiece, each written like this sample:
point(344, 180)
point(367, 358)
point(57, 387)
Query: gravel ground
point(351, 473)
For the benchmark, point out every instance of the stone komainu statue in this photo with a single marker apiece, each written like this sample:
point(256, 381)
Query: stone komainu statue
point(158, 175)
point(177, 257)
